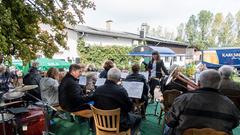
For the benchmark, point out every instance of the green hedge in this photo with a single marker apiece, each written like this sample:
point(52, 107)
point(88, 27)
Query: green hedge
point(97, 55)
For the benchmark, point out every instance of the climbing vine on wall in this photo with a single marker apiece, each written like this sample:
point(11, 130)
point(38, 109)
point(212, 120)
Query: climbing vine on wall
point(97, 55)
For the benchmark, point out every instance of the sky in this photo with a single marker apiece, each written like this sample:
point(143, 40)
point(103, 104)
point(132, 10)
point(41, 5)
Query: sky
point(128, 15)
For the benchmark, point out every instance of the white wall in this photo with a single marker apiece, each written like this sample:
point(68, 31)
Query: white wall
point(180, 62)
point(105, 40)
point(89, 40)
point(72, 38)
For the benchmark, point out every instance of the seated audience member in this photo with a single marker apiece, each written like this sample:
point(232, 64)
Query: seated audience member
point(112, 96)
point(203, 108)
point(107, 66)
point(71, 97)
point(49, 87)
point(228, 86)
point(135, 76)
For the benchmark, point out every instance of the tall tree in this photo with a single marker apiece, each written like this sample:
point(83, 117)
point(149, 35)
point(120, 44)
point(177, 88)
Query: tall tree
point(168, 34)
point(237, 40)
point(191, 30)
point(20, 32)
point(204, 22)
point(226, 35)
point(180, 33)
point(215, 30)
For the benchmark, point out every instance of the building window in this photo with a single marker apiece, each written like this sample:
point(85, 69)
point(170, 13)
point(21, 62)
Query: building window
point(167, 59)
point(181, 58)
point(135, 42)
point(175, 58)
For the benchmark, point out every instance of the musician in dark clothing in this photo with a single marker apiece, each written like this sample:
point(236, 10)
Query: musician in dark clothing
point(135, 76)
point(229, 87)
point(205, 107)
point(107, 66)
point(71, 97)
point(5, 79)
point(155, 68)
point(33, 78)
point(112, 96)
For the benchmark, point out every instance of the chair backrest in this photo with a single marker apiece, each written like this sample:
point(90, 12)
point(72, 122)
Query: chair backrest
point(203, 131)
point(106, 120)
point(169, 97)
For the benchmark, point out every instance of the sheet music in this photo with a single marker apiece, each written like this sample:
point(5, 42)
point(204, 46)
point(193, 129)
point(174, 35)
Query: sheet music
point(100, 81)
point(145, 74)
point(134, 89)
point(124, 75)
point(83, 80)
point(98, 74)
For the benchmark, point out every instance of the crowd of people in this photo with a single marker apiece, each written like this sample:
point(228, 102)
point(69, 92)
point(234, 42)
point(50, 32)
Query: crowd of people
point(209, 106)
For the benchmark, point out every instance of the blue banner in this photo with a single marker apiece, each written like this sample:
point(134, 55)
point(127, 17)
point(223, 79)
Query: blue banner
point(217, 58)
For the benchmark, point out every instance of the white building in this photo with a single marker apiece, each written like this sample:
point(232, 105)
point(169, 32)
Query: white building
point(103, 37)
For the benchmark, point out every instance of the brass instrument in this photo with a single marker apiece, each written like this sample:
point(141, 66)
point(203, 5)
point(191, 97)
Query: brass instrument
point(177, 75)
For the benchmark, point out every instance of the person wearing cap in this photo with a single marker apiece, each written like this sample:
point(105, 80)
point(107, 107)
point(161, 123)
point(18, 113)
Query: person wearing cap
point(155, 68)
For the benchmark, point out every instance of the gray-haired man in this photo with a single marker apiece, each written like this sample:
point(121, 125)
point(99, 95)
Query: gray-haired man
point(112, 96)
point(228, 86)
point(203, 108)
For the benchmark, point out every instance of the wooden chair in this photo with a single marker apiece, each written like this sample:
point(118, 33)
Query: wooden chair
point(83, 113)
point(203, 131)
point(168, 99)
point(107, 122)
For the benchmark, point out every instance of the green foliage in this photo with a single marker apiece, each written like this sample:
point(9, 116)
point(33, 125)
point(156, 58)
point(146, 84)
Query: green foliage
point(226, 33)
point(215, 29)
point(180, 33)
point(191, 30)
point(99, 54)
point(20, 32)
point(208, 30)
point(204, 22)
point(189, 70)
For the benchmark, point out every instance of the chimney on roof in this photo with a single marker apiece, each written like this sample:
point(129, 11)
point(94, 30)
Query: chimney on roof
point(143, 30)
point(109, 25)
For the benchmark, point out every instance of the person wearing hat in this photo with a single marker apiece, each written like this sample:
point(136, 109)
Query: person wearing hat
point(155, 68)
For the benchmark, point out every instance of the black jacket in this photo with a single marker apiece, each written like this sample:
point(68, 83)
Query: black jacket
point(112, 96)
point(103, 74)
point(139, 78)
point(71, 97)
point(33, 78)
point(160, 68)
point(204, 107)
point(4, 81)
